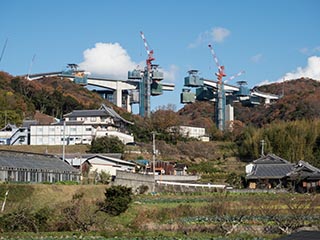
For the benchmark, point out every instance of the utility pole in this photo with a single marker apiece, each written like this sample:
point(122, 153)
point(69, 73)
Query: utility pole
point(64, 140)
point(154, 158)
point(262, 147)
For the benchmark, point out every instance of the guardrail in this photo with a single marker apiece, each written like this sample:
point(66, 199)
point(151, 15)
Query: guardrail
point(222, 186)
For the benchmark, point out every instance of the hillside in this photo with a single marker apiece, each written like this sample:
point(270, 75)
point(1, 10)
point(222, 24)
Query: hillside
point(20, 98)
point(55, 96)
point(300, 101)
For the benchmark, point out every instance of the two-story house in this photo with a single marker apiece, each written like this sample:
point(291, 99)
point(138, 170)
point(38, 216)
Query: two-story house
point(81, 127)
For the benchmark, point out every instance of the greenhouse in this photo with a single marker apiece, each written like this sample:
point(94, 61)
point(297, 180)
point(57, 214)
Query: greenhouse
point(35, 168)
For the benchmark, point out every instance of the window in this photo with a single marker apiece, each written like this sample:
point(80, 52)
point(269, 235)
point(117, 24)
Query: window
point(33, 177)
point(45, 177)
point(93, 119)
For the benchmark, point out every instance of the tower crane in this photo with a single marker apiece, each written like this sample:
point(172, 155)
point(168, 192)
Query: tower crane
point(224, 94)
point(149, 52)
point(221, 99)
point(146, 81)
point(149, 79)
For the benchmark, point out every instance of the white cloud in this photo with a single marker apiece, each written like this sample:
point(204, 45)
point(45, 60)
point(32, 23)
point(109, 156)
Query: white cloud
point(107, 60)
point(219, 34)
point(312, 70)
point(216, 35)
point(256, 58)
point(111, 60)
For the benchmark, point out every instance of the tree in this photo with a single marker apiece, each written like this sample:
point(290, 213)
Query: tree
point(107, 145)
point(117, 200)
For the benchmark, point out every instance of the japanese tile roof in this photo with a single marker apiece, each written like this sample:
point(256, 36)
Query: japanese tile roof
point(271, 167)
point(33, 161)
point(275, 171)
point(271, 159)
point(304, 170)
point(103, 111)
point(86, 113)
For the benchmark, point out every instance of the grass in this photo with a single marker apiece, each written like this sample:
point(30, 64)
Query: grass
point(81, 149)
point(168, 216)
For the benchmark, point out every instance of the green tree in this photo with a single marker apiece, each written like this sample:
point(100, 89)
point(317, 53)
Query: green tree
point(117, 200)
point(107, 145)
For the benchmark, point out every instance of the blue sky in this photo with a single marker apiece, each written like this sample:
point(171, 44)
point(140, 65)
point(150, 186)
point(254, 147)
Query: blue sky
point(270, 40)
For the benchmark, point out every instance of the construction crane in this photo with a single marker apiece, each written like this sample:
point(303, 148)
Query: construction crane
point(221, 99)
point(146, 81)
point(149, 79)
point(149, 52)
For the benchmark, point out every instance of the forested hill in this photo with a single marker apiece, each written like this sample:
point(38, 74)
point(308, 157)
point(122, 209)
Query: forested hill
point(20, 98)
point(301, 100)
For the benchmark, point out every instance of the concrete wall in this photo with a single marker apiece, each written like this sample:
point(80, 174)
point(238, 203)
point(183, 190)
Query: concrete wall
point(134, 180)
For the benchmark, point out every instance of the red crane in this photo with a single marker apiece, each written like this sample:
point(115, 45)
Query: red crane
point(221, 98)
point(149, 52)
point(220, 74)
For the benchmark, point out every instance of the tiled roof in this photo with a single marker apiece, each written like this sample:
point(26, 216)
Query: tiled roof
point(33, 161)
point(86, 113)
point(304, 170)
point(104, 111)
point(270, 159)
point(270, 171)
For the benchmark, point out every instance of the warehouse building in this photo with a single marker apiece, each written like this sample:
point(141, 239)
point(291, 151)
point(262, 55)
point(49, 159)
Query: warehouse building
point(35, 168)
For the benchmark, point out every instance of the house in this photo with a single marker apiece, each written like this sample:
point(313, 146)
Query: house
point(76, 159)
point(271, 171)
point(268, 171)
point(81, 127)
point(34, 168)
point(191, 132)
point(111, 165)
point(169, 168)
point(180, 169)
point(305, 177)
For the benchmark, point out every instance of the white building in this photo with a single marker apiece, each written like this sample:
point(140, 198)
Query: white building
point(193, 132)
point(81, 127)
point(99, 163)
point(73, 133)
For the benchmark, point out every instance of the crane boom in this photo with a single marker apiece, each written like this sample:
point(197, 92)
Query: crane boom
point(215, 58)
point(149, 52)
point(234, 76)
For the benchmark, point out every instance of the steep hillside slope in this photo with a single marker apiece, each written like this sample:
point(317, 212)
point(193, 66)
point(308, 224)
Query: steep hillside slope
point(20, 98)
point(300, 101)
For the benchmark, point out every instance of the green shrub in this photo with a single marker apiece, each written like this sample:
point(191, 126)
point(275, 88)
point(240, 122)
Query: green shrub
point(117, 200)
